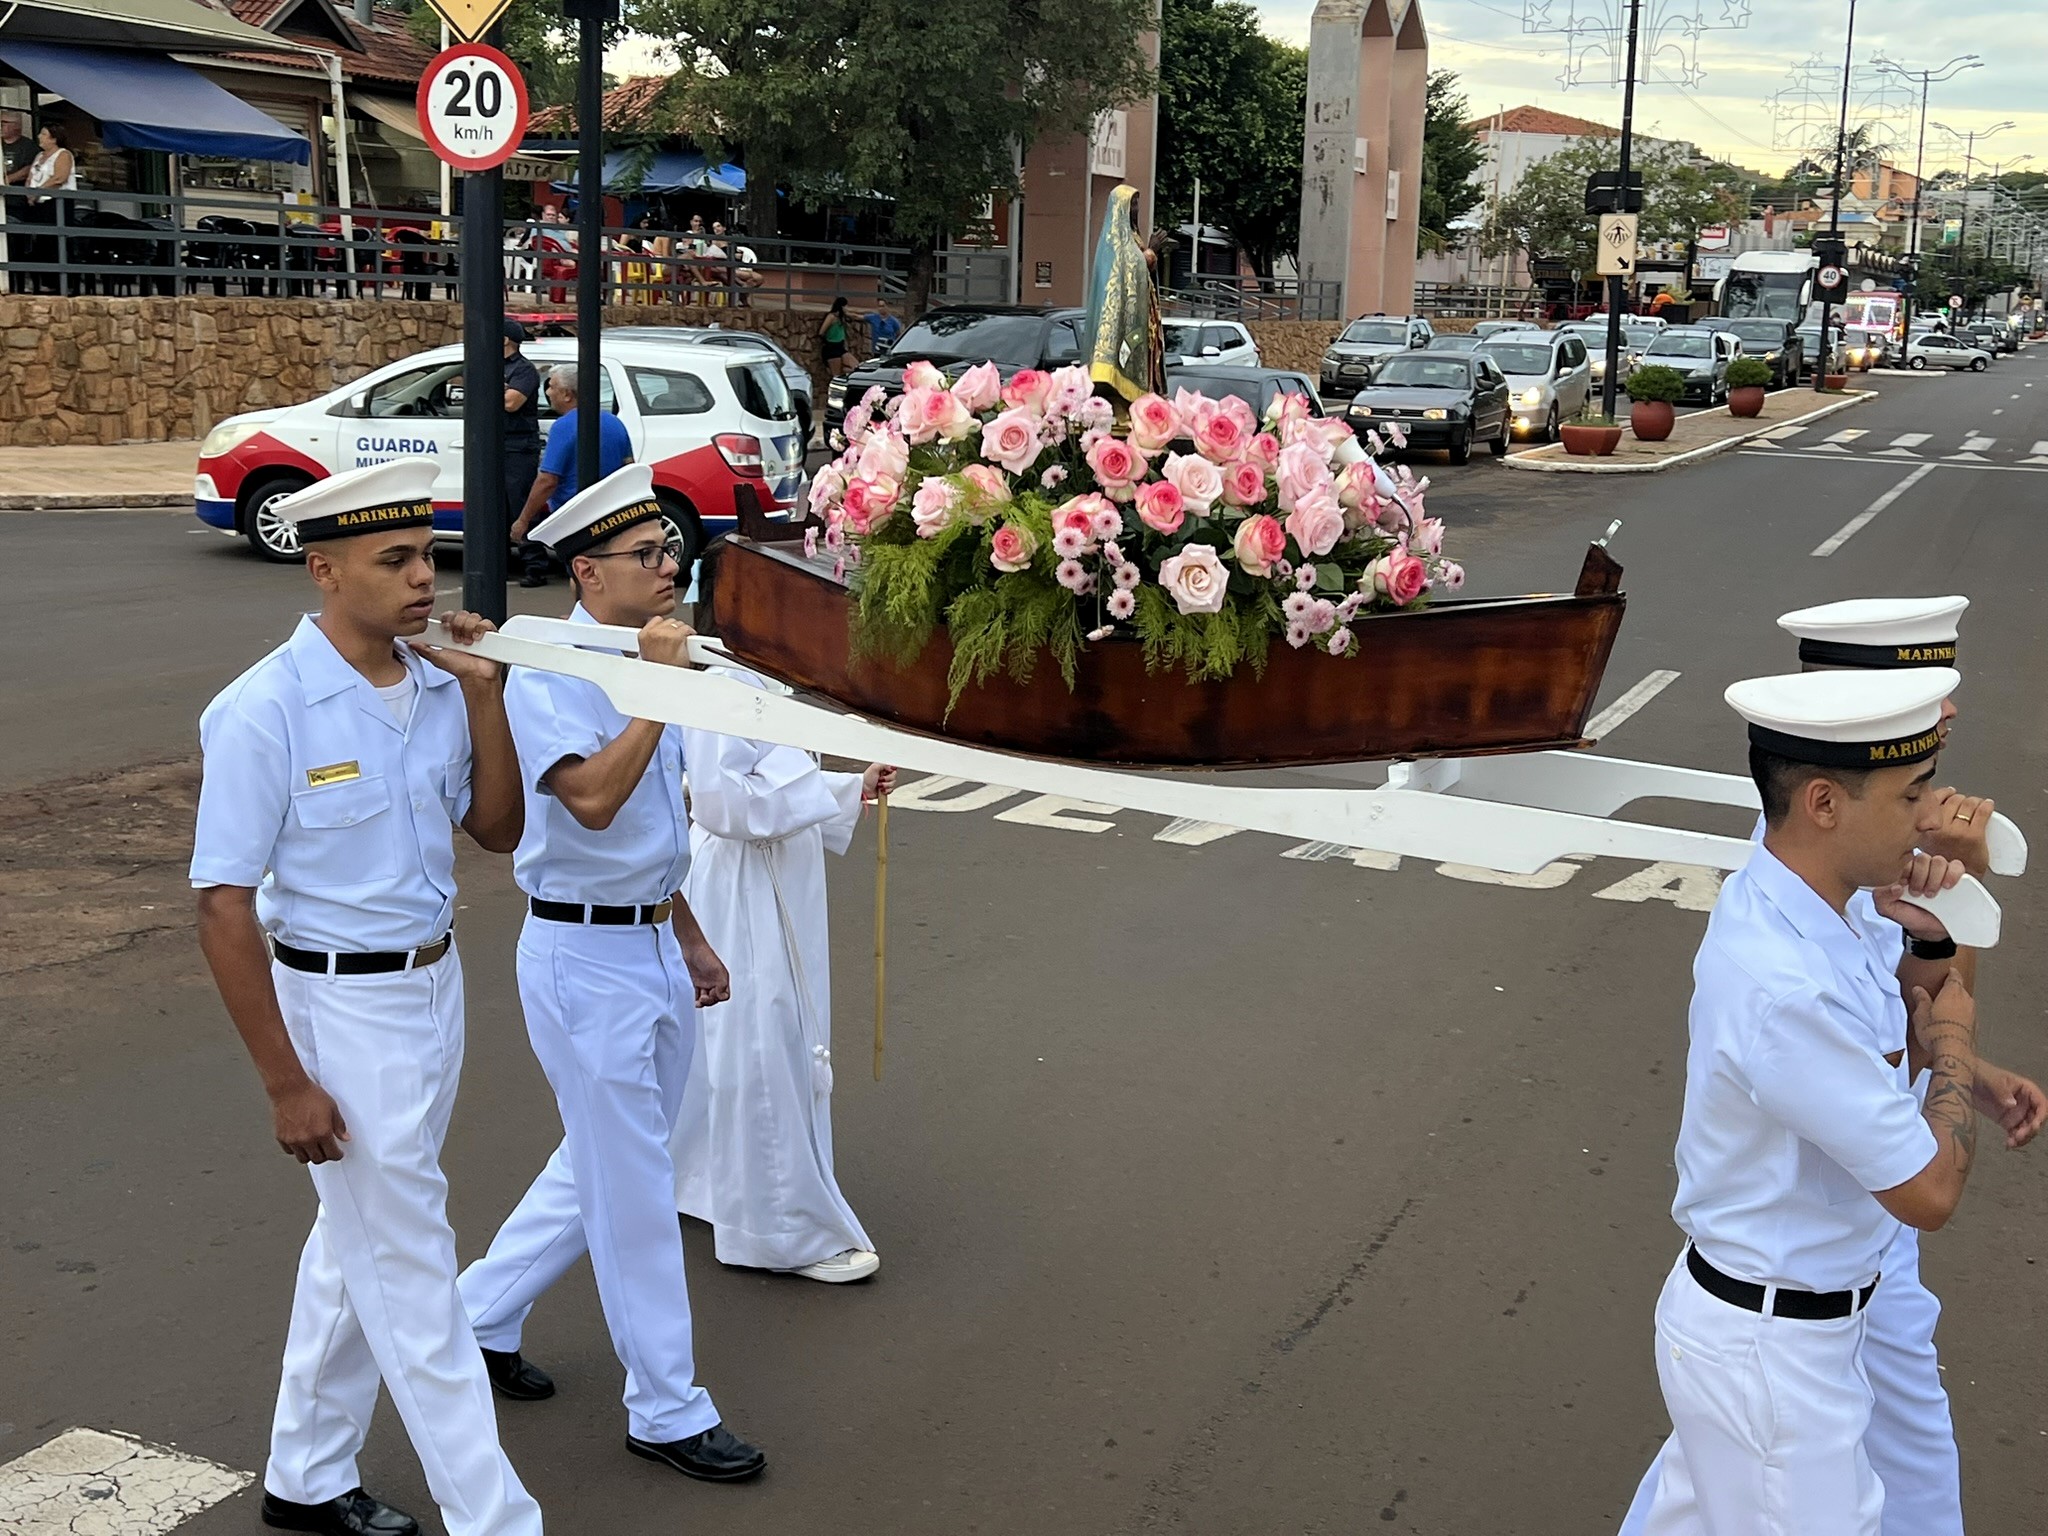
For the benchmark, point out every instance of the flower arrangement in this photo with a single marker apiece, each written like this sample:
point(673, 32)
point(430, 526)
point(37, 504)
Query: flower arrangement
point(1030, 520)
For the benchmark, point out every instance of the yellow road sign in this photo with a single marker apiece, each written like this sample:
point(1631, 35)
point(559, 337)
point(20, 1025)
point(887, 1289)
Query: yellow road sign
point(470, 19)
point(1617, 244)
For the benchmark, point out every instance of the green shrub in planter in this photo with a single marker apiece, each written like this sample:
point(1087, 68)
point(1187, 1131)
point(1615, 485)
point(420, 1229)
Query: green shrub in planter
point(1591, 416)
point(1656, 382)
point(1749, 373)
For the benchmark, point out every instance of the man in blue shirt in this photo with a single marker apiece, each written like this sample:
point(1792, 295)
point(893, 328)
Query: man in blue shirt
point(557, 481)
point(883, 327)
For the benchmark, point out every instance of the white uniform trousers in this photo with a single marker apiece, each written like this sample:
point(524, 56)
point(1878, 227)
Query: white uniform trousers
point(1911, 1441)
point(1768, 1417)
point(609, 1013)
point(376, 1290)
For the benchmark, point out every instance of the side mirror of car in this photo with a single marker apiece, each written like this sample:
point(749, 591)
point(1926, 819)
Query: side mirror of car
point(1212, 351)
point(359, 403)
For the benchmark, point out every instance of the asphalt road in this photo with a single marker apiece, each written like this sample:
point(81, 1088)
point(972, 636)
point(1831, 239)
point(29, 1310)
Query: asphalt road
point(1228, 1192)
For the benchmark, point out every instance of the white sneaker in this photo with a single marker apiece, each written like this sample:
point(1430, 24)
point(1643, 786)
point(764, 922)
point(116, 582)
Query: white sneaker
point(853, 1264)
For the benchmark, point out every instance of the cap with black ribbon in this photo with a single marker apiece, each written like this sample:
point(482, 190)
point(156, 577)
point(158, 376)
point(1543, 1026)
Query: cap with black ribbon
point(377, 498)
point(618, 501)
point(1860, 720)
point(1878, 632)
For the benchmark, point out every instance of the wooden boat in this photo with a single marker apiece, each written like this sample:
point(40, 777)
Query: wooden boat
point(1457, 678)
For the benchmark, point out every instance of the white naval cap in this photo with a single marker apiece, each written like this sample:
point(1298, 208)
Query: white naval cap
point(374, 499)
point(622, 498)
point(1847, 719)
point(1878, 631)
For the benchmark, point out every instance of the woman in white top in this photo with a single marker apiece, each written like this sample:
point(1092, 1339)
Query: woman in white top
point(53, 166)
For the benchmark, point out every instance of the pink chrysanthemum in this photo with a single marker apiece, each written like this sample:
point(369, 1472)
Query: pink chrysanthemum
point(1069, 543)
point(1297, 635)
point(1121, 604)
point(1298, 606)
point(1070, 574)
point(1340, 642)
point(1304, 578)
point(1127, 576)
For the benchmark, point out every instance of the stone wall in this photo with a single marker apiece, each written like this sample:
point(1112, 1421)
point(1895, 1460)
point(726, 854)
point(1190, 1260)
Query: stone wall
point(115, 370)
point(1300, 344)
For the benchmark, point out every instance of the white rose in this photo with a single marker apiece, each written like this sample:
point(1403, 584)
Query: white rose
point(1196, 580)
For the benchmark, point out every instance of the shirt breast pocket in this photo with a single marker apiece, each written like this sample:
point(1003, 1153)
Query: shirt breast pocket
point(341, 834)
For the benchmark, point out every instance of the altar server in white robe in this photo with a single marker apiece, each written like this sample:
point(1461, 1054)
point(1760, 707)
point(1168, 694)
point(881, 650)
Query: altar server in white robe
point(753, 1143)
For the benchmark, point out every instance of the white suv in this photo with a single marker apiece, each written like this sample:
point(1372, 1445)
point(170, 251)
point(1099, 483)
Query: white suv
point(1209, 343)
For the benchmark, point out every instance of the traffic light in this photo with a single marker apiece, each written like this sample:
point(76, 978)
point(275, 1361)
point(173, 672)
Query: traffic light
point(1603, 192)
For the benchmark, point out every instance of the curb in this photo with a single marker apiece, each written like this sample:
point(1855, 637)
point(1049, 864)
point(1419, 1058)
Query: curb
point(86, 501)
point(1568, 466)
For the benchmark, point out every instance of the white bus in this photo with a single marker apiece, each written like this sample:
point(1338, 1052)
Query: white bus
point(1767, 285)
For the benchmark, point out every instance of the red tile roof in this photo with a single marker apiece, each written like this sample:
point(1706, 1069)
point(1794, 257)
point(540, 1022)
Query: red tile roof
point(1542, 120)
point(390, 52)
point(628, 106)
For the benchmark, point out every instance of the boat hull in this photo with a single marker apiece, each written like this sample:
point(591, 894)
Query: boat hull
point(1453, 679)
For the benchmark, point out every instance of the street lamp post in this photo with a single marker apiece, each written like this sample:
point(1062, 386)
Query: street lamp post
point(1926, 77)
point(1970, 139)
point(1820, 374)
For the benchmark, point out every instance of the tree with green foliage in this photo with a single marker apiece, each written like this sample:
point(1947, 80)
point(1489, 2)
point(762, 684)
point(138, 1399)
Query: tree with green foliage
point(537, 38)
point(928, 106)
point(1232, 107)
point(1546, 214)
point(1451, 153)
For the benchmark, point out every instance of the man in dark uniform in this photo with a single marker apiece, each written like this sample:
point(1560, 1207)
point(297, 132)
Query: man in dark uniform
point(522, 444)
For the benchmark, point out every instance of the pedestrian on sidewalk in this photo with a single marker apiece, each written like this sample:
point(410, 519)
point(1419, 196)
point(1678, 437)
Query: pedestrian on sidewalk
point(611, 965)
point(557, 482)
point(753, 1144)
point(833, 340)
point(522, 429)
point(335, 772)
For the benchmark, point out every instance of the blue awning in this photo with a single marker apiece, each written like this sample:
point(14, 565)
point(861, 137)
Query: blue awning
point(147, 101)
point(674, 170)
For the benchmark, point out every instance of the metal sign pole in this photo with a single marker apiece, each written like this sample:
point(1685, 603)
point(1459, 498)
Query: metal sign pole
point(1615, 288)
point(590, 265)
point(486, 523)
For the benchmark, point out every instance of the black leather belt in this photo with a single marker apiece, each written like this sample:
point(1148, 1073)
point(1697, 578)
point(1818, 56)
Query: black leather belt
point(322, 962)
point(1808, 1306)
point(604, 917)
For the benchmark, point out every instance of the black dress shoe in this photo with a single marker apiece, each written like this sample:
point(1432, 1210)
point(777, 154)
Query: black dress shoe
point(716, 1456)
point(517, 1377)
point(353, 1514)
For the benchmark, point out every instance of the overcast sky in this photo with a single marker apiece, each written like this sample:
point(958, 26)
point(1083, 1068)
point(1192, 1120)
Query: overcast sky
point(1728, 112)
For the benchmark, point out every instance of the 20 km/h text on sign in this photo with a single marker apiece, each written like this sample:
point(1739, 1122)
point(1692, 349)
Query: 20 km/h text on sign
point(473, 107)
point(1617, 244)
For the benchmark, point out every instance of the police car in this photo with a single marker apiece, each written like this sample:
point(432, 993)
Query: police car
point(707, 419)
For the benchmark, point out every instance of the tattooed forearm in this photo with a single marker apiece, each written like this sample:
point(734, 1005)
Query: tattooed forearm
point(1951, 1108)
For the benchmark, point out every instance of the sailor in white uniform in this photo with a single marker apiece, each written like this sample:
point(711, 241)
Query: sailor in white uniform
point(1911, 1439)
point(611, 964)
point(753, 1145)
point(1802, 1147)
point(336, 770)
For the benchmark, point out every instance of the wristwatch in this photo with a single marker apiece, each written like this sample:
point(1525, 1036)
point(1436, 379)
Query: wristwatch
point(1931, 949)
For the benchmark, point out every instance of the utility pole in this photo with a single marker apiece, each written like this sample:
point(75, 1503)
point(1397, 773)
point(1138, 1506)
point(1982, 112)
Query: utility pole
point(1820, 374)
point(591, 17)
point(1612, 381)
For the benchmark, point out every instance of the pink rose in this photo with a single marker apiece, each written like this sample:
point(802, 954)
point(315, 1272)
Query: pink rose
point(986, 487)
point(1195, 579)
point(1317, 522)
point(933, 506)
point(1070, 386)
point(1259, 545)
point(1199, 482)
point(1265, 448)
point(1398, 577)
point(1239, 410)
point(1116, 464)
point(1192, 409)
point(1301, 471)
point(885, 455)
point(1285, 408)
point(979, 388)
point(1160, 506)
point(1244, 483)
point(951, 418)
point(826, 490)
point(1154, 423)
point(1222, 437)
point(1085, 514)
point(924, 411)
point(1014, 547)
point(922, 375)
point(1028, 388)
point(857, 422)
point(868, 504)
point(1011, 440)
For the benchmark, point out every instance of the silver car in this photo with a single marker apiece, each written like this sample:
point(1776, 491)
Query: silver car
point(1550, 374)
point(1701, 356)
point(1349, 362)
point(1937, 351)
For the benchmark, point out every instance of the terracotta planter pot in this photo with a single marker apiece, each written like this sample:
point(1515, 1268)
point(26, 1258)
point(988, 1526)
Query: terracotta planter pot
point(1746, 401)
point(1836, 381)
point(1590, 442)
point(1651, 420)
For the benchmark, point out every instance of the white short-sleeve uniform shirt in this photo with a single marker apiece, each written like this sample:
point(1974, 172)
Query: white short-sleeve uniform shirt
point(642, 856)
point(342, 819)
point(1792, 1115)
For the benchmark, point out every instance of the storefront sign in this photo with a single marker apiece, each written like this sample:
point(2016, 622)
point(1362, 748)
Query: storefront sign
point(1106, 144)
point(472, 107)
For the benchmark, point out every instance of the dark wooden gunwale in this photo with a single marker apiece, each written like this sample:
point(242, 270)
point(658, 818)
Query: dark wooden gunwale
point(1460, 677)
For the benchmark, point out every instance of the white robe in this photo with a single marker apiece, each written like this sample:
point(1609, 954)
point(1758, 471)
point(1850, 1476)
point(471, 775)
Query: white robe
point(753, 1143)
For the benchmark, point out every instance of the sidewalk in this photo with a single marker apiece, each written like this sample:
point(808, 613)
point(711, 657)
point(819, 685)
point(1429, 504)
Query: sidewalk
point(1696, 436)
point(78, 477)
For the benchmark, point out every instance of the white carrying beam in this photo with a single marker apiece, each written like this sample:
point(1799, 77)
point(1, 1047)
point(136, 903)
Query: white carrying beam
point(1516, 839)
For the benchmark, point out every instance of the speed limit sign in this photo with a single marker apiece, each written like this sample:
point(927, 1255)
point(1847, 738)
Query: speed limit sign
point(472, 107)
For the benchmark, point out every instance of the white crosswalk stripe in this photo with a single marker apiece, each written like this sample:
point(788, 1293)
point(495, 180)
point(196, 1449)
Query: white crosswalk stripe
point(1848, 435)
point(1910, 439)
point(1779, 434)
point(1976, 443)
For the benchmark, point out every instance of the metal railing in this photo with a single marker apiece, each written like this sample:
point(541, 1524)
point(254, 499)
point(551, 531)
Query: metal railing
point(93, 242)
point(1477, 301)
point(1254, 298)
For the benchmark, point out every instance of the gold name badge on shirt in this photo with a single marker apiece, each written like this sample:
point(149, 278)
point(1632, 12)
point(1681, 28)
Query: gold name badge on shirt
point(333, 773)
